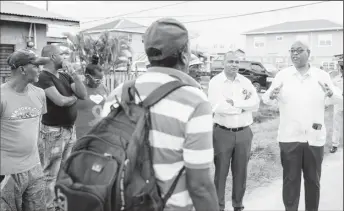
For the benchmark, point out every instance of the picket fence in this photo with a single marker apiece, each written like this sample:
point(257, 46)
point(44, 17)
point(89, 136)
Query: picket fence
point(113, 80)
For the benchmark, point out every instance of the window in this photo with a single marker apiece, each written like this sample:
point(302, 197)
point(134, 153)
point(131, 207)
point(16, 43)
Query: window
point(5, 70)
point(302, 38)
point(142, 39)
point(329, 66)
point(130, 38)
point(259, 42)
point(324, 40)
point(257, 68)
point(279, 38)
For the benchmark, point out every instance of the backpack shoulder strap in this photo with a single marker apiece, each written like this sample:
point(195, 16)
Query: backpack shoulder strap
point(162, 92)
point(128, 91)
point(173, 186)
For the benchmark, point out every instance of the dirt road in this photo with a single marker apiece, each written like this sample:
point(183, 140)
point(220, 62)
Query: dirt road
point(331, 198)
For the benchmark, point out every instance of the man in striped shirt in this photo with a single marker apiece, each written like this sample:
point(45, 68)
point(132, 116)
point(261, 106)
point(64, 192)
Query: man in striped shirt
point(181, 133)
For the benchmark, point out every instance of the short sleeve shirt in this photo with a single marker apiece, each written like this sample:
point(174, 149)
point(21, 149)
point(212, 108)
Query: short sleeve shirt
point(20, 120)
point(89, 110)
point(58, 116)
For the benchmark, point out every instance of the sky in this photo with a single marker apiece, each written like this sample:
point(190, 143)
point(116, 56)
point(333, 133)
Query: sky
point(225, 31)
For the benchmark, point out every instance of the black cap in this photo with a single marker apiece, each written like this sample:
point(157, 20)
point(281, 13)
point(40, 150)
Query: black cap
point(23, 57)
point(165, 37)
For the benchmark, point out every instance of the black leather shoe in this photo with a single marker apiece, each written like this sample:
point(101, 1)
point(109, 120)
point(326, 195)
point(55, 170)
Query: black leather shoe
point(333, 149)
point(238, 208)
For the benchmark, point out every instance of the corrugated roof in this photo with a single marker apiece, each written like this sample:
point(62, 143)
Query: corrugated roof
point(120, 25)
point(307, 25)
point(16, 8)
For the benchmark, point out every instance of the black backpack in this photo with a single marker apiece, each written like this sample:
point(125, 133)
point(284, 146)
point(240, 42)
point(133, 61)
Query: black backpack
point(110, 169)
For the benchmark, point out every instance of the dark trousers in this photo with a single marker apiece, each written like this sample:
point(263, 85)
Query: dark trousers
point(297, 157)
point(231, 149)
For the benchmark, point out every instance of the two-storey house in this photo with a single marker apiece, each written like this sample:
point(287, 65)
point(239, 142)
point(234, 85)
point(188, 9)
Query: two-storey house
point(272, 44)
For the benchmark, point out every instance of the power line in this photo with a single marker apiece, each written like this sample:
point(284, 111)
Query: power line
point(235, 16)
point(255, 13)
point(159, 16)
point(145, 10)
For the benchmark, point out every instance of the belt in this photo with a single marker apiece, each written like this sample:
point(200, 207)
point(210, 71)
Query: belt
point(230, 129)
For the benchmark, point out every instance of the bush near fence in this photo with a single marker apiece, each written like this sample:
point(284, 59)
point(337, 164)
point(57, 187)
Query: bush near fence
point(111, 81)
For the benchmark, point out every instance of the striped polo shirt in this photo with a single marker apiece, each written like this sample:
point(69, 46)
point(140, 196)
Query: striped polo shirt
point(181, 133)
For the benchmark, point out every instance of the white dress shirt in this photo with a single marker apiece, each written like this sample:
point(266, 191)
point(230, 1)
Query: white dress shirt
point(301, 104)
point(240, 114)
point(338, 82)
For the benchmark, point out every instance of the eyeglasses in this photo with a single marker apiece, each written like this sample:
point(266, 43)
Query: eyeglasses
point(233, 62)
point(298, 51)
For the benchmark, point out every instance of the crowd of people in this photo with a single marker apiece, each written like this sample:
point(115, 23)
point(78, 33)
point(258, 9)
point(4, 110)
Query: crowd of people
point(44, 113)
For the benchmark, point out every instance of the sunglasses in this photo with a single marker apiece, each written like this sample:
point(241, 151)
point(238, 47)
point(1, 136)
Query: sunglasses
point(96, 80)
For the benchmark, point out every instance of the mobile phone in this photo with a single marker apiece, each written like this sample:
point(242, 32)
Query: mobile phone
point(317, 126)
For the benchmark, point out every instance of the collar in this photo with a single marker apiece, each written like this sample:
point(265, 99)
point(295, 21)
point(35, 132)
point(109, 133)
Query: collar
point(224, 77)
point(307, 74)
point(183, 77)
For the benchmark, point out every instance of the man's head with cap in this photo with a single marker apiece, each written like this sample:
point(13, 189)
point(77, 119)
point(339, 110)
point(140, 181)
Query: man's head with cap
point(25, 64)
point(166, 44)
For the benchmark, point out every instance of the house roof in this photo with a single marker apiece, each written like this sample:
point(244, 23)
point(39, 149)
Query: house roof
point(298, 26)
point(20, 9)
point(119, 25)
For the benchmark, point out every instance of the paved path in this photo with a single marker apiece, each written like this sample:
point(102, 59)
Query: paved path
point(331, 198)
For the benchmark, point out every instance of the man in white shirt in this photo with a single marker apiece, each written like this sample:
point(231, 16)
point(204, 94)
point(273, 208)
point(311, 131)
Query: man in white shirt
point(337, 136)
point(233, 98)
point(301, 92)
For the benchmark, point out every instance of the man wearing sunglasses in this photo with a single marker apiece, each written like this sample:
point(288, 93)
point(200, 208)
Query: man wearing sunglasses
point(337, 136)
point(21, 108)
point(233, 99)
point(89, 110)
point(57, 136)
point(302, 91)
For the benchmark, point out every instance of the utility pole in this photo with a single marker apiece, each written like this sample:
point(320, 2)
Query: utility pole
point(47, 5)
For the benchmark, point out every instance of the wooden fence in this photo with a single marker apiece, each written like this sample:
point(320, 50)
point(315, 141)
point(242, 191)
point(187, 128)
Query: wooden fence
point(113, 80)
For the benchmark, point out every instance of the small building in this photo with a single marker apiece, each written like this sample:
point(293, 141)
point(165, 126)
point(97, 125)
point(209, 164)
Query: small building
point(241, 54)
point(133, 32)
point(21, 24)
point(271, 44)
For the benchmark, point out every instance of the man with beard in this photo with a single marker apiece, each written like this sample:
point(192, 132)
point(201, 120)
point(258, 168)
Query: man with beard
point(22, 104)
point(301, 92)
point(337, 136)
point(57, 135)
point(233, 99)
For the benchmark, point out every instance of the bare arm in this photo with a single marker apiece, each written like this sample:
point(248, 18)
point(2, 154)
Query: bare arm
point(198, 156)
point(78, 87)
point(59, 99)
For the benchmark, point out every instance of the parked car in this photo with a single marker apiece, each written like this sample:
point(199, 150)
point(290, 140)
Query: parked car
point(271, 68)
point(255, 71)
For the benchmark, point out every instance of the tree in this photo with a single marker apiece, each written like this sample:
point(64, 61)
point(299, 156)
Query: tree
point(108, 48)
